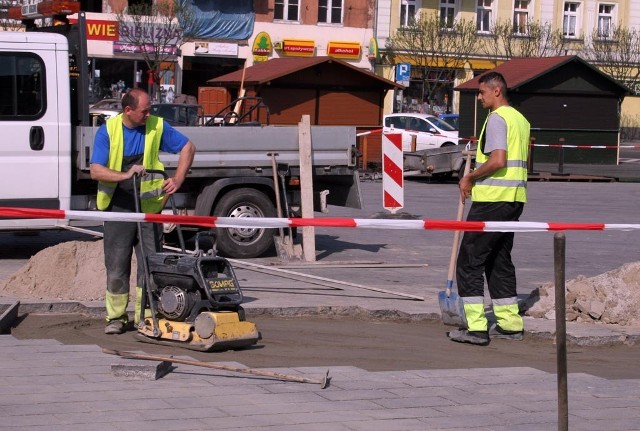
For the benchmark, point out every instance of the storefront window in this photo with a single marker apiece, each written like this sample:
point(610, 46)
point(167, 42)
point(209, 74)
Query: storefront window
point(432, 96)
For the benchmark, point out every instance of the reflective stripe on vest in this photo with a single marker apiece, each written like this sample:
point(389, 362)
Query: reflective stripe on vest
point(508, 184)
point(151, 195)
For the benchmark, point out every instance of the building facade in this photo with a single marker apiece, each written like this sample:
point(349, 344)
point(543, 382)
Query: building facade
point(256, 30)
point(504, 29)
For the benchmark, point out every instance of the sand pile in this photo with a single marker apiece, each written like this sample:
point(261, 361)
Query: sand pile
point(72, 270)
point(612, 297)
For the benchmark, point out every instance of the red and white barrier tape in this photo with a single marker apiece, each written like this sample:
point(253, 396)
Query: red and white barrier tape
point(270, 222)
point(370, 132)
point(606, 147)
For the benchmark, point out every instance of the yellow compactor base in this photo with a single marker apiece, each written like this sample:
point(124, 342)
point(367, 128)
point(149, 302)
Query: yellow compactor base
point(210, 330)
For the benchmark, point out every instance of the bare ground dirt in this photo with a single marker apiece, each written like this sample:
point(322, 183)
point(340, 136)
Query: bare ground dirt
point(371, 345)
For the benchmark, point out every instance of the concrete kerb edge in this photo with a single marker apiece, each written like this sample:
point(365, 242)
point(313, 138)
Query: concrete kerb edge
point(577, 334)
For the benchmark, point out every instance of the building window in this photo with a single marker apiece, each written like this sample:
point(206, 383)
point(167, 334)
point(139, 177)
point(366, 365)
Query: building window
point(140, 7)
point(483, 23)
point(605, 20)
point(286, 10)
point(407, 13)
point(520, 16)
point(330, 11)
point(447, 13)
point(571, 21)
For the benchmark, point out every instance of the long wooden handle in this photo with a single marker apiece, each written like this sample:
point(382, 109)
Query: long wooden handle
point(130, 355)
point(456, 234)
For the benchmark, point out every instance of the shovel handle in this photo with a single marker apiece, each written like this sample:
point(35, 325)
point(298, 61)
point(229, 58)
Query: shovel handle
point(456, 234)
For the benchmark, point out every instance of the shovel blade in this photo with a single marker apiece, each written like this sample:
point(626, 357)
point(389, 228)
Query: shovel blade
point(452, 309)
point(287, 250)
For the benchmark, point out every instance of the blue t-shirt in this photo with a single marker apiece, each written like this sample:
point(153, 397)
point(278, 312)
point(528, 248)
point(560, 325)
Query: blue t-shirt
point(172, 142)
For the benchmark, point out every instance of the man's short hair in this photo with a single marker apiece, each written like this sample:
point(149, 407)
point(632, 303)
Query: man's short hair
point(131, 98)
point(494, 79)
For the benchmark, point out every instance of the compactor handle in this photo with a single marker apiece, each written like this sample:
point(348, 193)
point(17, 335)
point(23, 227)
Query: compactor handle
point(172, 202)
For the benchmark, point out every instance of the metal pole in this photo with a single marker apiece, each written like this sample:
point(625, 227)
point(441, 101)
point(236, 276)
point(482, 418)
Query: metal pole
point(561, 156)
point(532, 146)
point(559, 243)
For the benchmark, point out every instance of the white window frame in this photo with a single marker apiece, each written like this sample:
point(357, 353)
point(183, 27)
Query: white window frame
point(407, 17)
point(606, 19)
point(332, 4)
point(521, 17)
point(285, 11)
point(482, 9)
point(451, 7)
point(571, 20)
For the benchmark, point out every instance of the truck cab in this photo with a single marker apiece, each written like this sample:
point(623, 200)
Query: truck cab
point(36, 123)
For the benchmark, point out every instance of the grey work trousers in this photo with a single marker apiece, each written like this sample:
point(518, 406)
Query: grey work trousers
point(120, 239)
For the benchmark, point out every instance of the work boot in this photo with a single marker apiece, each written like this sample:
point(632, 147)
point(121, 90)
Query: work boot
point(497, 332)
point(480, 338)
point(114, 327)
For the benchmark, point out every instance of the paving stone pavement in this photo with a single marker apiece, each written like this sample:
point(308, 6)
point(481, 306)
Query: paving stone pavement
point(45, 385)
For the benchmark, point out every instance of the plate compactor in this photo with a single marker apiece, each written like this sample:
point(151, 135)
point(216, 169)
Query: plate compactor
point(193, 301)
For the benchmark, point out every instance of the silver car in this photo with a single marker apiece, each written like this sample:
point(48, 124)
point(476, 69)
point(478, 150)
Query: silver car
point(104, 109)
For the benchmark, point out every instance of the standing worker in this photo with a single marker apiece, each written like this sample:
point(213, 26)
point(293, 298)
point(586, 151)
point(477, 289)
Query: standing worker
point(498, 189)
point(129, 144)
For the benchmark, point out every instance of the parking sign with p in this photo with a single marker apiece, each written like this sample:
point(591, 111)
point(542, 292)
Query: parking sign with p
point(403, 73)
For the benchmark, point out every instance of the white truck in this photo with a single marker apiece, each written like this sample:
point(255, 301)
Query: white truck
point(48, 139)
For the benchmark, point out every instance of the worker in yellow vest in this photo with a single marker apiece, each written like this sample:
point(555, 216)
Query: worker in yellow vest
point(498, 189)
point(126, 145)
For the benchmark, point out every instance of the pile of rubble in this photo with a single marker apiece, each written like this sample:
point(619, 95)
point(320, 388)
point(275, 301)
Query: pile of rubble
point(612, 297)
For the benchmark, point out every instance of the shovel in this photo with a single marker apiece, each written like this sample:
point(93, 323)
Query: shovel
point(451, 306)
point(284, 244)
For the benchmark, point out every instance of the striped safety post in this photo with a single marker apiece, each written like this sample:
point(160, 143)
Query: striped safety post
point(392, 172)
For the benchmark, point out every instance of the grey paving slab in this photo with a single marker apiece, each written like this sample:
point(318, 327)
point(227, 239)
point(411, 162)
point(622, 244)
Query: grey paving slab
point(417, 399)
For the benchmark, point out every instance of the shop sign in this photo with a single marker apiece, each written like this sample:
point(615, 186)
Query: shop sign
point(148, 33)
point(132, 48)
point(216, 48)
point(347, 50)
point(100, 29)
point(298, 47)
point(262, 44)
point(374, 52)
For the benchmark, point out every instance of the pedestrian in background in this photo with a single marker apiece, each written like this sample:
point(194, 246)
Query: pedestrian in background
point(498, 189)
point(126, 145)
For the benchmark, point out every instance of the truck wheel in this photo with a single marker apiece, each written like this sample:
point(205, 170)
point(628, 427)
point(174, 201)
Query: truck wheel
point(244, 242)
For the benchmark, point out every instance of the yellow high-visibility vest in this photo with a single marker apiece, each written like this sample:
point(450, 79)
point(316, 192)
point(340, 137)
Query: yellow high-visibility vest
point(508, 184)
point(151, 195)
